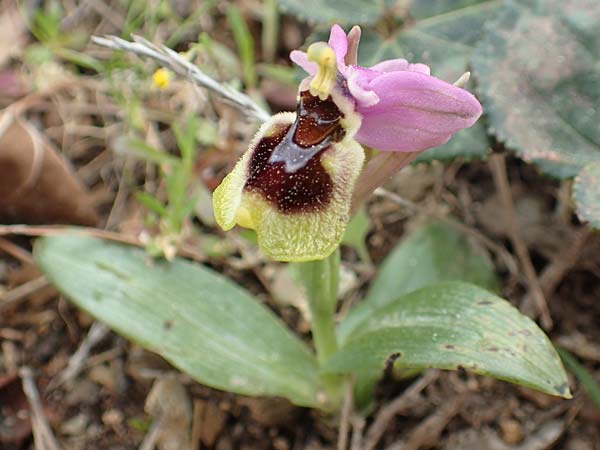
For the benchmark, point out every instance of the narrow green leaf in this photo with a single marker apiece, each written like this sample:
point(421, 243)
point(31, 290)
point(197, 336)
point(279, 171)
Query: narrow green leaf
point(537, 72)
point(586, 378)
point(436, 252)
point(245, 44)
point(144, 151)
point(443, 36)
point(454, 325)
point(151, 203)
point(196, 319)
point(586, 193)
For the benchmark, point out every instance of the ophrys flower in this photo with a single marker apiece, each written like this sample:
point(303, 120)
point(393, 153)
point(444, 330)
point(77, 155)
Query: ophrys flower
point(294, 184)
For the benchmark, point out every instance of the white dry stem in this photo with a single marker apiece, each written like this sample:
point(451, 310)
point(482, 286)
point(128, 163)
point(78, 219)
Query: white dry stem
point(42, 433)
point(181, 66)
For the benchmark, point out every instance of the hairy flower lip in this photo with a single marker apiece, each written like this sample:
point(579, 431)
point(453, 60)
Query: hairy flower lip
point(403, 107)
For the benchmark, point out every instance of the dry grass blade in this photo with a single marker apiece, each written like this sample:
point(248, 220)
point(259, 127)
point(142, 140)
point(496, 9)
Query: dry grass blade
point(345, 418)
point(498, 165)
point(21, 292)
point(178, 64)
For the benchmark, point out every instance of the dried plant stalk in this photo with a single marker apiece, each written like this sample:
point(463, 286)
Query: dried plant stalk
point(181, 66)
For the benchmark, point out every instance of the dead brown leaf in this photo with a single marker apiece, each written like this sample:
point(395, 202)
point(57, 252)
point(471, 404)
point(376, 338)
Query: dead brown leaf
point(37, 186)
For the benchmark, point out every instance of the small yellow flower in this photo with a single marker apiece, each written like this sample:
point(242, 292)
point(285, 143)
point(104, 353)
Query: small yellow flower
point(161, 78)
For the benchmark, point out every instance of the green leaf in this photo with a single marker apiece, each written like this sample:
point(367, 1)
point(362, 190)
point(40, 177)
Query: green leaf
point(140, 149)
point(341, 11)
point(443, 36)
point(195, 318)
point(151, 203)
point(454, 325)
point(583, 375)
point(356, 234)
point(436, 252)
point(245, 43)
point(586, 193)
point(538, 73)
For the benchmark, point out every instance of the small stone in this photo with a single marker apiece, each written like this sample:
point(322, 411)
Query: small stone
point(75, 425)
point(512, 431)
point(210, 419)
point(104, 376)
point(280, 443)
point(112, 417)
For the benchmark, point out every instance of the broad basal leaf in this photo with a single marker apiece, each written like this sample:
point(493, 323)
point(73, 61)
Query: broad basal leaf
point(443, 36)
point(537, 72)
point(354, 12)
point(452, 325)
point(586, 193)
point(198, 320)
point(436, 252)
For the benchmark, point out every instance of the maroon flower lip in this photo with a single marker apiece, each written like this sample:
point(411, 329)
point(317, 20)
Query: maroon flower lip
point(286, 165)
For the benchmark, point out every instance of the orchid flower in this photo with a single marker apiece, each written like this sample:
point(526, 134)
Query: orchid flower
point(294, 184)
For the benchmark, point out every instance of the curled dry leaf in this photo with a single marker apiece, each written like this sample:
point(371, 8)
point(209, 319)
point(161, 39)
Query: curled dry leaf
point(37, 186)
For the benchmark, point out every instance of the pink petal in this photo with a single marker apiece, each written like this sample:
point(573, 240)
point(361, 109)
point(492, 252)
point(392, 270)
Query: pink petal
point(301, 59)
point(415, 112)
point(358, 84)
point(392, 65)
point(338, 41)
point(421, 68)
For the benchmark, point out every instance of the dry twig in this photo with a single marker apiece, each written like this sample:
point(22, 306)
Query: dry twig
point(428, 432)
point(42, 433)
point(15, 251)
point(12, 297)
point(498, 166)
point(345, 418)
point(401, 403)
point(564, 261)
point(96, 333)
point(181, 66)
point(60, 230)
point(358, 425)
point(499, 250)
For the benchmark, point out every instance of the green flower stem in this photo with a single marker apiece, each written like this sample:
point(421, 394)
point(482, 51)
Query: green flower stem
point(321, 279)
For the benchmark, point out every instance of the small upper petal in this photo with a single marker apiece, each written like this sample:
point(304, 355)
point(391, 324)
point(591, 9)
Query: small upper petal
point(301, 59)
point(338, 41)
point(415, 112)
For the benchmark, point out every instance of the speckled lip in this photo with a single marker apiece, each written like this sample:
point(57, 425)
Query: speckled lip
point(286, 166)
